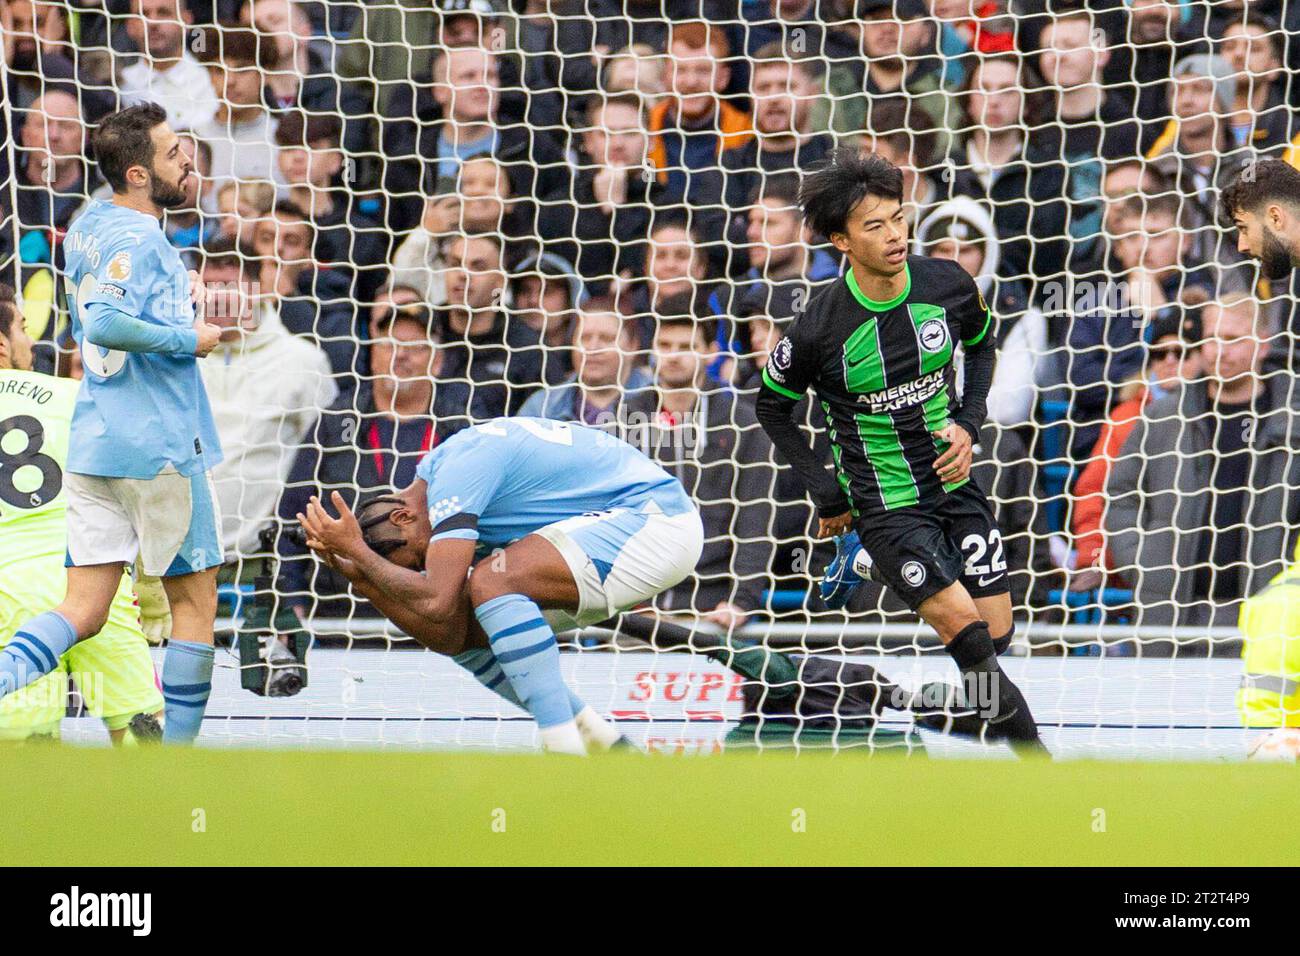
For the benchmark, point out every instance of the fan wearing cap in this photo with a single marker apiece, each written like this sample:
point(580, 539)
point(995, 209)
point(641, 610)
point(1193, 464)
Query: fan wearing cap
point(1196, 149)
point(962, 230)
point(1173, 358)
point(547, 295)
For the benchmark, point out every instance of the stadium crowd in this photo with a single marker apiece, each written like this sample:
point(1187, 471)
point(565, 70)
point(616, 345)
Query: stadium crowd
point(427, 213)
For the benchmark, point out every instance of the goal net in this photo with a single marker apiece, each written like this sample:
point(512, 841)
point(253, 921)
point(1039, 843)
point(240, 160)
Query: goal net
point(416, 217)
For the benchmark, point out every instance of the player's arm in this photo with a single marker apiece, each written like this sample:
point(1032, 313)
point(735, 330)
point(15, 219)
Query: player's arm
point(433, 595)
point(430, 632)
point(111, 328)
point(975, 329)
point(785, 379)
point(111, 312)
point(979, 343)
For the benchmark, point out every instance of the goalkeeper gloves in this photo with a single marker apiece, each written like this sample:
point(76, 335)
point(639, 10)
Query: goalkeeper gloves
point(155, 612)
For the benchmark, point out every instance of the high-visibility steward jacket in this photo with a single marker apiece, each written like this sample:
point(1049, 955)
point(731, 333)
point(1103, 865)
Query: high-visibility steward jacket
point(1269, 695)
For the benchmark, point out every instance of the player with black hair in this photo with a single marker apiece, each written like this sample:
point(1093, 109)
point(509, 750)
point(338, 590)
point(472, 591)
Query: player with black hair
point(1264, 204)
point(877, 350)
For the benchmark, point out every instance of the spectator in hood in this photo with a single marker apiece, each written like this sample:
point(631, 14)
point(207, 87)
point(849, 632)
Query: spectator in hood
point(487, 347)
point(546, 296)
point(607, 371)
point(266, 387)
point(962, 229)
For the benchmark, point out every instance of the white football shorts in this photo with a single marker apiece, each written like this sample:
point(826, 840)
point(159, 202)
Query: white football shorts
point(622, 558)
point(172, 522)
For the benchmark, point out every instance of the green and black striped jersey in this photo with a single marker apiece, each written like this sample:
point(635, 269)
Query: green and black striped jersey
point(883, 372)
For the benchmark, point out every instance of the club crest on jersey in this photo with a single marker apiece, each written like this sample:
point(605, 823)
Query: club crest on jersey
point(933, 335)
point(914, 573)
point(119, 267)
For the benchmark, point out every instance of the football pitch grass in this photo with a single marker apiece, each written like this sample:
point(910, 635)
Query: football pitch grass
point(86, 807)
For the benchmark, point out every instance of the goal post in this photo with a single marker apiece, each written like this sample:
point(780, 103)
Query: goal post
point(429, 215)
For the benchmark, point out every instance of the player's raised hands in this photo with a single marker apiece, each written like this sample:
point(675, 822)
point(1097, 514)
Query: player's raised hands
point(954, 464)
point(332, 536)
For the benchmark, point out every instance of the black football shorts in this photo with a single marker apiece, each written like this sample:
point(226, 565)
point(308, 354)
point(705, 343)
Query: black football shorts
point(920, 550)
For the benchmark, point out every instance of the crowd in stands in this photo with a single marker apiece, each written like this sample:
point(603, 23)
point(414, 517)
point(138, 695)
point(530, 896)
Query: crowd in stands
point(427, 213)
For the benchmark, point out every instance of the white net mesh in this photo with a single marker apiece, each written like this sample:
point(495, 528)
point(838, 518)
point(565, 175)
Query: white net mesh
point(443, 212)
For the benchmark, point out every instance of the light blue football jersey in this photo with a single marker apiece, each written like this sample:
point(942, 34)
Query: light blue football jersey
point(137, 411)
point(506, 478)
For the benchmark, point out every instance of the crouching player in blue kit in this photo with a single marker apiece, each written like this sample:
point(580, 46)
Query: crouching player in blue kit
point(589, 527)
point(142, 437)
